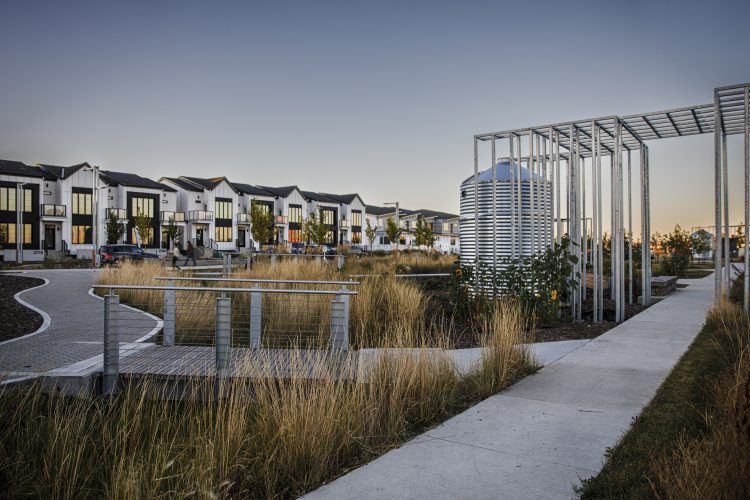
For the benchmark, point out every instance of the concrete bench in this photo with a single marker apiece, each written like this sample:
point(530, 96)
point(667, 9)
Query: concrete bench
point(662, 285)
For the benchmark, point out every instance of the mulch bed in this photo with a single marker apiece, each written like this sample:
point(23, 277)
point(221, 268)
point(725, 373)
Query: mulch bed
point(17, 320)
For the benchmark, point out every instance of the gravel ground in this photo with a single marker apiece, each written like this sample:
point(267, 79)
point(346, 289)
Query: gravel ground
point(17, 320)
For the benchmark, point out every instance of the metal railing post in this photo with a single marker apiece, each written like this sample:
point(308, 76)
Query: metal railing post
point(111, 344)
point(170, 316)
point(256, 312)
point(341, 262)
point(223, 340)
point(340, 321)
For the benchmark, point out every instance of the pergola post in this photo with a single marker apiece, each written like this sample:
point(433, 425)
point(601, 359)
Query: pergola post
point(518, 251)
point(717, 200)
point(531, 167)
point(557, 187)
point(599, 230)
point(746, 291)
point(476, 208)
point(494, 210)
point(725, 184)
point(511, 171)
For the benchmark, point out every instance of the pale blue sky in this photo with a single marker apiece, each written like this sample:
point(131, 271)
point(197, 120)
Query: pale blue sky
point(381, 98)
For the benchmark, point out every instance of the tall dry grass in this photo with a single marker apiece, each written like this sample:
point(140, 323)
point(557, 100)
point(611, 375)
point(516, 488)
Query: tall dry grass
point(263, 437)
point(716, 464)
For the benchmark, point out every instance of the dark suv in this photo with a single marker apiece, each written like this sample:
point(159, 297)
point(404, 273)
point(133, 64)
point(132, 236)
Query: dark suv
point(110, 254)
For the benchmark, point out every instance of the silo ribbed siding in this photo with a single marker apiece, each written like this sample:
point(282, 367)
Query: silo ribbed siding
point(542, 215)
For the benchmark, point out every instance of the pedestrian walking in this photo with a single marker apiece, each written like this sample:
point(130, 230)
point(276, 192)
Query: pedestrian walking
point(190, 253)
point(176, 254)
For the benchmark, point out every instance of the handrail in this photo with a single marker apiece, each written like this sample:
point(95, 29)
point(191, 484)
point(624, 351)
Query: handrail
point(426, 275)
point(222, 289)
point(257, 280)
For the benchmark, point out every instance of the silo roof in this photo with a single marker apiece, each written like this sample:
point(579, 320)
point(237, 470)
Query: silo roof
point(503, 173)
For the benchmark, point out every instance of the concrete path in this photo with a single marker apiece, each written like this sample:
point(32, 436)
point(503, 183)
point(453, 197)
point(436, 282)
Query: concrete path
point(545, 433)
point(73, 331)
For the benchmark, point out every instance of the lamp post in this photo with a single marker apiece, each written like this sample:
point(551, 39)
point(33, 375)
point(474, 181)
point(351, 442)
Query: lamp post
point(398, 223)
point(19, 221)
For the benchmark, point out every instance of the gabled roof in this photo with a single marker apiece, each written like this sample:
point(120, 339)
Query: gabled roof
point(375, 210)
point(343, 198)
point(9, 167)
point(209, 184)
point(62, 172)
point(131, 180)
point(282, 192)
point(251, 190)
point(311, 195)
point(434, 213)
point(187, 186)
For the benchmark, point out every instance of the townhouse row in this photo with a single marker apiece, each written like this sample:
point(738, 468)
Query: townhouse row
point(58, 204)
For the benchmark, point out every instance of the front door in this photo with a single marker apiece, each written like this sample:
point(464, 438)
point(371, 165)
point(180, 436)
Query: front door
point(199, 236)
point(240, 238)
point(49, 236)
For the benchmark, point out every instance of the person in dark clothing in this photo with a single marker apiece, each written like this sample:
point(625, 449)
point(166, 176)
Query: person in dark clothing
point(190, 254)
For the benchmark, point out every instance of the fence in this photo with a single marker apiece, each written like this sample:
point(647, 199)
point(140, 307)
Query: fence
point(199, 321)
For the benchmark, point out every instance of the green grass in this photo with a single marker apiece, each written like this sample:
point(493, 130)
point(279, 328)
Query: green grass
point(677, 411)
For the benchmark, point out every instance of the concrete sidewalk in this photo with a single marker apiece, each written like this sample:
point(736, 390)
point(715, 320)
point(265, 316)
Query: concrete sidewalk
point(74, 333)
point(545, 433)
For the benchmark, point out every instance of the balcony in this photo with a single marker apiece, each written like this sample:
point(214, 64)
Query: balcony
point(200, 216)
point(121, 213)
point(177, 216)
point(280, 220)
point(242, 218)
point(53, 211)
point(344, 224)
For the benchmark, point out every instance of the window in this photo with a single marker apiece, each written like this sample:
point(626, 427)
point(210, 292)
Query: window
point(82, 234)
point(142, 206)
point(356, 237)
point(295, 236)
point(223, 234)
point(82, 204)
point(263, 205)
point(295, 214)
point(356, 218)
point(329, 237)
point(223, 210)
point(327, 216)
point(146, 239)
point(8, 199)
point(8, 233)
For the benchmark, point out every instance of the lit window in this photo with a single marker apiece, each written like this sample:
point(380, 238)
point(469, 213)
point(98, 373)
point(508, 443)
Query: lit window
point(356, 218)
point(82, 235)
point(223, 234)
point(82, 203)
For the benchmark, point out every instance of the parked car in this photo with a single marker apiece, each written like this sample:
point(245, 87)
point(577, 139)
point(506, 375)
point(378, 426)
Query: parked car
point(356, 250)
point(298, 248)
point(111, 254)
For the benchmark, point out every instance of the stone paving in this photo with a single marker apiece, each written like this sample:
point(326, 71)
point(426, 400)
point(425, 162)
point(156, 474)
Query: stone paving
point(76, 329)
point(541, 436)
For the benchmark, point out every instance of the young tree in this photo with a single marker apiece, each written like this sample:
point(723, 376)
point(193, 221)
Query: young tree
point(261, 223)
point(392, 231)
point(143, 226)
point(701, 242)
point(677, 245)
point(173, 232)
point(429, 237)
point(419, 231)
point(314, 228)
point(370, 232)
point(113, 228)
point(741, 236)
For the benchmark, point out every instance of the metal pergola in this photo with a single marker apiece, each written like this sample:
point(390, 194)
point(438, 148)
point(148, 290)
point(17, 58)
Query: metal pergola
point(566, 153)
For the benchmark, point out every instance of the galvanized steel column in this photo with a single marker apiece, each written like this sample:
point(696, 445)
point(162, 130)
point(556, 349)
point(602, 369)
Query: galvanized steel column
point(519, 206)
point(599, 229)
point(170, 315)
point(630, 232)
point(717, 200)
point(746, 294)
point(256, 316)
point(494, 210)
point(476, 208)
point(594, 221)
point(530, 171)
point(557, 187)
point(725, 183)
point(512, 175)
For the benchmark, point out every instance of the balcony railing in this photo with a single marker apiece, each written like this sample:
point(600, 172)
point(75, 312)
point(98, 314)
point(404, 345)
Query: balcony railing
point(177, 216)
point(121, 213)
point(344, 224)
point(200, 215)
point(53, 210)
point(242, 218)
point(280, 220)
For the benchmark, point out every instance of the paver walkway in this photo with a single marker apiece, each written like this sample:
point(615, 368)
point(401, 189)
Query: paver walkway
point(538, 438)
point(75, 332)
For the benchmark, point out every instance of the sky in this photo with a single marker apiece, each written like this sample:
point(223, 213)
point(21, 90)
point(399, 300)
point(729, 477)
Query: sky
point(380, 98)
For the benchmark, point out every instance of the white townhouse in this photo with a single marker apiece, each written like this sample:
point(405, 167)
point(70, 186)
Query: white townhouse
point(343, 214)
point(210, 206)
point(60, 203)
point(444, 226)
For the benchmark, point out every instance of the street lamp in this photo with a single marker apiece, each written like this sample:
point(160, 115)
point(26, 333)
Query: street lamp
point(19, 221)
